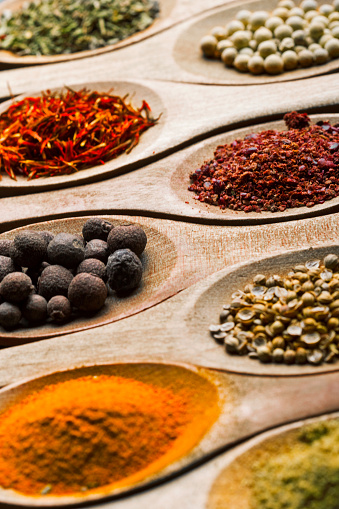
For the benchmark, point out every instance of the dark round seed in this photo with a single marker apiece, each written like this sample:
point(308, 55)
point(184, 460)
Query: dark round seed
point(59, 309)
point(47, 236)
point(87, 292)
point(96, 228)
point(34, 309)
point(66, 249)
point(6, 247)
point(29, 249)
point(98, 249)
point(130, 237)
point(94, 267)
point(16, 287)
point(54, 280)
point(124, 270)
point(6, 266)
point(10, 315)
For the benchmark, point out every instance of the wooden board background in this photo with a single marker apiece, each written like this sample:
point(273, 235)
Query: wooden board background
point(207, 242)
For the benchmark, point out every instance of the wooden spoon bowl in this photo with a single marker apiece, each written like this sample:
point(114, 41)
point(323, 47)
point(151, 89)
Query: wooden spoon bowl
point(160, 280)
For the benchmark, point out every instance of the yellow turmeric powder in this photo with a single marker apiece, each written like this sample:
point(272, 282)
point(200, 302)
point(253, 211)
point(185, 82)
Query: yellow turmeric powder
point(99, 431)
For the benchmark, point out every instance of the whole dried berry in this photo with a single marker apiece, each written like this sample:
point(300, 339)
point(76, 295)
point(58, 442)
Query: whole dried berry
point(66, 249)
point(94, 267)
point(97, 248)
point(6, 247)
point(54, 280)
point(124, 270)
point(87, 292)
point(6, 266)
point(130, 237)
point(29, 249)
point(34, 309)
point(96, 228)
point(10, 315)
point(16, 287)
point(47, 235)
point(59, 309)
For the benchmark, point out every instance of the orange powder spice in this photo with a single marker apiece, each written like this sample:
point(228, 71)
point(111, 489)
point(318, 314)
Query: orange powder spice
point(90, 432)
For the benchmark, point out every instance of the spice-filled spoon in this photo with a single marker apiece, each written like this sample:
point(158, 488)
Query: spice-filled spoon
point(247, 405)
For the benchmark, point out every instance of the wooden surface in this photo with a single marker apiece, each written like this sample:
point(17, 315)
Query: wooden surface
point(211, 249)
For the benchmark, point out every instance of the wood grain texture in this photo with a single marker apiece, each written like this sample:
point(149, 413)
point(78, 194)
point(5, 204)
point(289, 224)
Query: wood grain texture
point(174, 131)
point(165, 332)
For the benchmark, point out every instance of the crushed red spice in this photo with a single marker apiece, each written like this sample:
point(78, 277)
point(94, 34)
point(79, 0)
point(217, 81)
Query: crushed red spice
point(62, 133)
point(273, 170)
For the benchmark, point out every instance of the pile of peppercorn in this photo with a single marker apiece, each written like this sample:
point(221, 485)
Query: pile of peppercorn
point(57, 277)
point(273, 170)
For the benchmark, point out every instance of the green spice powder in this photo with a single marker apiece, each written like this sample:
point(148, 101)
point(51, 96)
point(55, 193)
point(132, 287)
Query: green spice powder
point(51, 27)
point(305, 476)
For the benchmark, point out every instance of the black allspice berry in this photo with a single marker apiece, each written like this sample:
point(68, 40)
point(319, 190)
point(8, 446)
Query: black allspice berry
point(87, 292)
point(47, 235)
point(96, 228)
point(94, 267)
point(6, 266)
point(6, 247)
point(16, 287)
point(66, 249)
point(34, 309)
point(98, 249)
point(130, 237)
point(124, 270)
point(10, 315)
point(59, 309)
point(54, 280)
point(29, 249)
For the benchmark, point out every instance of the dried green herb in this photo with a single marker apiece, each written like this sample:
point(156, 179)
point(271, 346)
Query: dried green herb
point(307, 475)
point(52, 27)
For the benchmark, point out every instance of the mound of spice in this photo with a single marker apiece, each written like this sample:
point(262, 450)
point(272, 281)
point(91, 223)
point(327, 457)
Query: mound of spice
point(292, 319)
point(288, 38)
point(53, 27)
point(55, 278)
point(273, 170)
point(303, 474)
point(61, 133)
point(295, 469)
point(101, 431)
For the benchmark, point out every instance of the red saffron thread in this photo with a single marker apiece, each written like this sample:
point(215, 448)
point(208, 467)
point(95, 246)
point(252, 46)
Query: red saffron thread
point(62, 133)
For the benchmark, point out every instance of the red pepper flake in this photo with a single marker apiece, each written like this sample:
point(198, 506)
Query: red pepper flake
point(273, 170)
point(295, 120)
point(62, 133)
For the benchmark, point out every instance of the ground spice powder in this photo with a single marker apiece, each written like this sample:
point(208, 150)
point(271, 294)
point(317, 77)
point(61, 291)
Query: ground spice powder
point(273, 170)
point(97, 431)
point(297, 469)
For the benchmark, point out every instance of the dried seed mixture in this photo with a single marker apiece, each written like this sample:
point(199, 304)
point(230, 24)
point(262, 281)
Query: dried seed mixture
point(290, 320)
